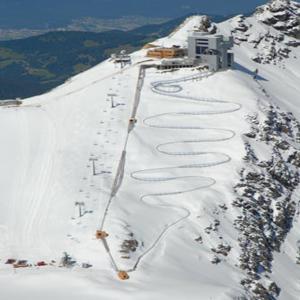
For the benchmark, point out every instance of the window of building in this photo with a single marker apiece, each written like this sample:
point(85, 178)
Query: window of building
point(201, 49)
point(213, 52)
point(230, 59)
point(220, 62)
point(202, 42)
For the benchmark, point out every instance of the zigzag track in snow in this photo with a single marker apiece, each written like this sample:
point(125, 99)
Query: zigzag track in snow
point(171, 88)
point(205, 159)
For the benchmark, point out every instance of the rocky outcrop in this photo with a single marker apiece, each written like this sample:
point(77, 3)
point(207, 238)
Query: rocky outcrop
point(264, 198)
point(274, 30)
point(283, 15)
point(128, 247)
point(206, 25)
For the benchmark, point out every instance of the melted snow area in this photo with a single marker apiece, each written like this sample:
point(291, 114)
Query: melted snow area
point(211, 155)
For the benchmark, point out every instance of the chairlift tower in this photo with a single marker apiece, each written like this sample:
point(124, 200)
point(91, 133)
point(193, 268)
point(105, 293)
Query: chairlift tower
point(93, 160)
point(80, 206)
point(111, 95)
point(122, 58)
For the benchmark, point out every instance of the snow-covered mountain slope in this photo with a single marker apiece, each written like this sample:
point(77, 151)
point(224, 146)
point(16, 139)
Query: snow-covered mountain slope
point(282, 15)
point(275, 54)
point(199, 197)
point(179, 35)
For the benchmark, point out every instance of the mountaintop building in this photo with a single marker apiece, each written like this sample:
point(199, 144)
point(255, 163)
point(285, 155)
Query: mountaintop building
point(213, 50)
point(160, 53)
point(203, 50)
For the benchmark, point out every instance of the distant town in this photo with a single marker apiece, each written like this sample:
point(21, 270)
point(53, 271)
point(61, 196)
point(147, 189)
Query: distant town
point(84, 24)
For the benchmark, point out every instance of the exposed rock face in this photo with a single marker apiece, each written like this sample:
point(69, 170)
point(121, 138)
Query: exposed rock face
point(129, 246)
point(272, 47)
point(264, 198)
point(239, 29)
point(206, 26)
point(274, 30)
point(239, 24)
point(282, 15)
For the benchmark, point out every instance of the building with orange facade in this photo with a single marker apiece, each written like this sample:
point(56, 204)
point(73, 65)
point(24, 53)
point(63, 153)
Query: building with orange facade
point(161, 53)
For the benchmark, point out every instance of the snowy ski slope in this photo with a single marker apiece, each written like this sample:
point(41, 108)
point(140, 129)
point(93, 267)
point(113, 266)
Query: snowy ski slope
point(182, 160)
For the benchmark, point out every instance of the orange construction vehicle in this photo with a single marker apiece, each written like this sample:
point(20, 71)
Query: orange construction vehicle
point(101, 235)
point(123, 275)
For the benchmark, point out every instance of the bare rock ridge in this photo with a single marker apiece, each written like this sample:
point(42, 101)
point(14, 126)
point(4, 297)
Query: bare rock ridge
point(264, 198)
point(207, 26)
point(282, 15)
point(266, 189)
point(273, 31)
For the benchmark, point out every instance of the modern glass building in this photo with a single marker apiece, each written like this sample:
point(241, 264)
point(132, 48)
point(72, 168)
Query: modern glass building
point(213, 50)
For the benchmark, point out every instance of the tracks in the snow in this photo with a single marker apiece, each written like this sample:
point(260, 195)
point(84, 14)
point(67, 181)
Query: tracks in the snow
point(203, 159)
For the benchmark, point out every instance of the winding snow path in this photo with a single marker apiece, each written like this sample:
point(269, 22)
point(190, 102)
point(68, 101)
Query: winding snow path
point(205, 159)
